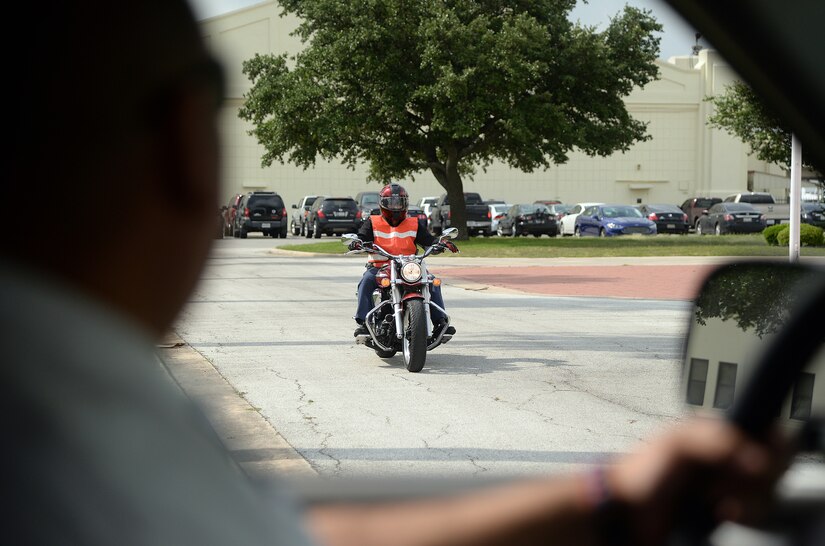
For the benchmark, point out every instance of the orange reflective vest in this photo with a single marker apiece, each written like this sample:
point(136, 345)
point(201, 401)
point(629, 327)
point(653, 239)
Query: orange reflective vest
point(395, 240)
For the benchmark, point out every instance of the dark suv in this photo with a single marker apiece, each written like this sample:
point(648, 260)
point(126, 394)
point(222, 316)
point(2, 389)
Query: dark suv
point(261, 211)
point(333, 215)
point(693, 207)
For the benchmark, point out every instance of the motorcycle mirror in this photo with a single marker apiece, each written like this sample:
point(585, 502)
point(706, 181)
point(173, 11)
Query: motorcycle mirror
point(450, 233)
point(347, 238)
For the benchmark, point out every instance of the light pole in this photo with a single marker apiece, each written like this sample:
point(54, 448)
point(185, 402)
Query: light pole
point(796, 194)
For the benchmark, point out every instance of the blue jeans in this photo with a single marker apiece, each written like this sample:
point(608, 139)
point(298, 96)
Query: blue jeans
point(368, 284)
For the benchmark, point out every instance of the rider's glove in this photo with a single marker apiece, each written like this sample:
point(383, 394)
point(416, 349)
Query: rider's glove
point(438, 248)
point(355, 245)
point(449, 245)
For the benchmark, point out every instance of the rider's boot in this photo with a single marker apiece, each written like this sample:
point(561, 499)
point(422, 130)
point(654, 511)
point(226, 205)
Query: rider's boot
point(448, 333)
point(361, 330)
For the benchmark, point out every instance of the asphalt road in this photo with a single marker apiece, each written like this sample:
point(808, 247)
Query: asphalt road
point(530, 384)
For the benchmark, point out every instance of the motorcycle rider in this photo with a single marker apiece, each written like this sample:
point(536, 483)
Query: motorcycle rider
point(393, 231)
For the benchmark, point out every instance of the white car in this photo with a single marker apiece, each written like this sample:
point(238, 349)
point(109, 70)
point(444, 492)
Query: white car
point(567, 226)
point(425, 203)
point(497, 210)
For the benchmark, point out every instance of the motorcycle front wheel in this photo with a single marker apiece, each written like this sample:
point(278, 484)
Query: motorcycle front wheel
point(414, 344)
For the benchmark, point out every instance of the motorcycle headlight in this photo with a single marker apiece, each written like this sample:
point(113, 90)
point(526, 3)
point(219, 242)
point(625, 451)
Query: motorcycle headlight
point(411, 272)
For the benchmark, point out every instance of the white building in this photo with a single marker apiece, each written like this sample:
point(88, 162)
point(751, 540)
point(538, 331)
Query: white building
point(683, 159)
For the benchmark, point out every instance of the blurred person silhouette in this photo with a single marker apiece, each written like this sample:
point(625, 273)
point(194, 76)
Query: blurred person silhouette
point(114, 142)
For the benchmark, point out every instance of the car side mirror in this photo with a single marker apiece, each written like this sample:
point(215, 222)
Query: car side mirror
point(751, 355)
point(450, 233)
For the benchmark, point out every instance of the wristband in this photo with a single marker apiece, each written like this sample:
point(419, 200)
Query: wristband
point(612, 517)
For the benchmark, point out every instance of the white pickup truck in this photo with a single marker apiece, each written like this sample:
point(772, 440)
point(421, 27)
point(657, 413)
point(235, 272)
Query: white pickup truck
point(764, 202)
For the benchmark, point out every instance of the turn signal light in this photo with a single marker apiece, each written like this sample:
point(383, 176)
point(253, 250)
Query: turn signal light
point(385, 282)
point(436, 282)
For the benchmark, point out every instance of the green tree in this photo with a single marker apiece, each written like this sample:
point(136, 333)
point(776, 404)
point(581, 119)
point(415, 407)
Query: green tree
point(758, 297)
point(449, 86)
point(739, 111)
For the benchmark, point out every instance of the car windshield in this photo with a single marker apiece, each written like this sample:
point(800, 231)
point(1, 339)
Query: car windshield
point(739, 207)
point(756, 198)
point(339, 204)
point(706, 203)
point(369, 199)
point(663, 208)
point(272, 201)
point(472, 199)
point(621, 212)
point(531, 209)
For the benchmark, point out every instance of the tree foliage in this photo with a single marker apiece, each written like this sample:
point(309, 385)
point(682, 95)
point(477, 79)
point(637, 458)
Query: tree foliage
point(449, 86)
point(740, 112)
point(758, 297)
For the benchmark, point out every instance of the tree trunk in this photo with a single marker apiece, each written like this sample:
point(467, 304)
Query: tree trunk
point(449, 178)
point(455, 191)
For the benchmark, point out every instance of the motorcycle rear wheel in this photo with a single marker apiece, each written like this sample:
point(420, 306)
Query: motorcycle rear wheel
point(414, 344)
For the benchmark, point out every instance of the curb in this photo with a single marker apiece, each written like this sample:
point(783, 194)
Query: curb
point(251, 440)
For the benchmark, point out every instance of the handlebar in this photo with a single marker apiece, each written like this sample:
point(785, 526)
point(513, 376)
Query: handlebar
point(376, 249)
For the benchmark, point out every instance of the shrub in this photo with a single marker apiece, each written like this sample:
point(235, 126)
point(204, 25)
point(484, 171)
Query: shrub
point(771, 232)
point(808, 236)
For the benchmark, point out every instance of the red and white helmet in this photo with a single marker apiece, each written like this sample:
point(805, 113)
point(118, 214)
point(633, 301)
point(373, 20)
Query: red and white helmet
point(393, 201)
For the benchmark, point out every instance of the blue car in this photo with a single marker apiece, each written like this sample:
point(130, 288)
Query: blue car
point(610, 220)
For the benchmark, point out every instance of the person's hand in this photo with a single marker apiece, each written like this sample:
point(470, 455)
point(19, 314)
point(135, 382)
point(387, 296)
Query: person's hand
point(355, 245)
point(704, 460)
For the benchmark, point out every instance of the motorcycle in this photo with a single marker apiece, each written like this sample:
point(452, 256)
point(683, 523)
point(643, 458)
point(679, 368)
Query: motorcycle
point(400, 317)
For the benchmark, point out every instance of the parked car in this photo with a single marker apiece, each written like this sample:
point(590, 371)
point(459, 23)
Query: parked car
point(694, 206)
point(261, 211)
point(814, 214)
point(774, 213)
point(668, 218)
point(333, 215)
point(425, 204)
point(612, 220)
point(497, 211)
point(731, 218)
point(527, 219)
point(477, 219)
point(229, 213)
point(415, 212)
point(220, 223)
point(567, 225)
point(559, 210)
point(366, 202)
point(299, 217)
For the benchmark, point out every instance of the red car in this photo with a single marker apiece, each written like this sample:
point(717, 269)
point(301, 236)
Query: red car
point(229, 215)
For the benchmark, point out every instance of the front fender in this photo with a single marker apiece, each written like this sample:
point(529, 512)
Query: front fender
point(412, 296)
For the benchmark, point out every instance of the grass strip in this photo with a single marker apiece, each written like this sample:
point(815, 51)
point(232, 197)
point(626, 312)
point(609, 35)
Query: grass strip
point(594, 247)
